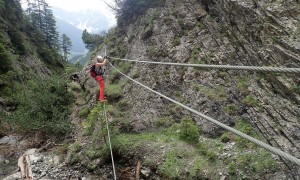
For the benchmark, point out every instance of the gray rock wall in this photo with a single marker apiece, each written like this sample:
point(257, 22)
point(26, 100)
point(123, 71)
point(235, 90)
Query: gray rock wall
point(235, 32)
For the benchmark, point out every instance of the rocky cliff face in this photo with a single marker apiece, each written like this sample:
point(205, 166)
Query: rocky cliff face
point(235, 32)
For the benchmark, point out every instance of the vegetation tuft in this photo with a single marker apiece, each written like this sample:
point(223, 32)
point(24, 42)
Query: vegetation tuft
point(43, 105)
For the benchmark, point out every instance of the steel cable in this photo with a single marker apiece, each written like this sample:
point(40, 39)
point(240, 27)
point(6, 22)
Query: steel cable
point(111, 153)
point(256, 141)
point(210, 66)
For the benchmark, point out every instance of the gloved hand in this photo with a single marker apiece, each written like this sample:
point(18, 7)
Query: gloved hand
point(105, 57)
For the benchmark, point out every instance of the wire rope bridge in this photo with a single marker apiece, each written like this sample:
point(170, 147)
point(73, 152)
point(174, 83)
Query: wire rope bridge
point(206, 66)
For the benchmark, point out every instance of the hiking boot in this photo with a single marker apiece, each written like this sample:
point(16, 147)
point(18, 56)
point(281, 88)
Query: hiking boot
point(103, 100)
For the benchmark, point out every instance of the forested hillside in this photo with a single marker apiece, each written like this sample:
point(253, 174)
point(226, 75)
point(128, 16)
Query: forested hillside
point(32, 89)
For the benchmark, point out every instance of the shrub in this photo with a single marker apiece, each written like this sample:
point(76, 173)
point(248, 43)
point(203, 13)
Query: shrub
point(44, 105)
point(176, 41)
point(188, 130)
point(114, 91)
point(172, 167)
point(129, 10)
point(84, 112)
point(90, 122)
point(5, 60)
point(17, 40)
point(122, 105)
point(242, 84)
point(194, 54)
point(231, 109)
point(148, 31)
point(250, 101)
point(165, 122)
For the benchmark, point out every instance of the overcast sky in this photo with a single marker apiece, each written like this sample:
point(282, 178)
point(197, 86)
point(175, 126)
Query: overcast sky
point(79, 5)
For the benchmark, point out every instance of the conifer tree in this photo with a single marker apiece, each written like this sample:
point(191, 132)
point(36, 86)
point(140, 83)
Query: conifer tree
point(66, 46)
point(92, 40)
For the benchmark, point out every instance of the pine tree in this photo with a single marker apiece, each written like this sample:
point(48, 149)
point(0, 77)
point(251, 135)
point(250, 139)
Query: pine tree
point(66, 46)
point(42, 17)
point(91, 41)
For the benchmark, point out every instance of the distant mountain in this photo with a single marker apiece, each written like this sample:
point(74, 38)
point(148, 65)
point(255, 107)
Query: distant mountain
point(93, 21)
point(73, 33)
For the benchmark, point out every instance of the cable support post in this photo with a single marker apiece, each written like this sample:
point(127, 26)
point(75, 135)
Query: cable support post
point(212, 66)
point(239, 133)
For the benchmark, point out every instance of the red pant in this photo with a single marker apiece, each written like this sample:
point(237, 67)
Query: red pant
point(102, 86)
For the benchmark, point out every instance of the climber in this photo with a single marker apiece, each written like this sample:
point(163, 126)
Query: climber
point(99, 69)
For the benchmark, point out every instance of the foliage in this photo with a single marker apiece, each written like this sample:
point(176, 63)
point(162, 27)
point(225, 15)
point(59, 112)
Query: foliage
point(172, 167)
point(2, 3)
point(52, 58)
point(149, 25)
point(250, 101)
point(114, 91)
point(5, 60)
point(194, 56)
point(176, 41)
point(84, 112)
point(245, 127)
point(115, 42)
point(164, 122)
point(43, 105)
point(259, 163)
point(41, 17)
point(91, 41)
point(231, 109)
point(94, 154)
point(128, 10)
point(242, 84)
point(17, 40)
point(188, 130)
point(90, 122)
point(66, 45)
point(218, 93)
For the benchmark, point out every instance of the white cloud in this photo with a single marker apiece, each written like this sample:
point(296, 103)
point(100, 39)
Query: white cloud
point(82, 5)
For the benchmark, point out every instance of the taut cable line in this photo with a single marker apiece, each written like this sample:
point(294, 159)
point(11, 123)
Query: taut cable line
point(212, 66)
point(241, 134)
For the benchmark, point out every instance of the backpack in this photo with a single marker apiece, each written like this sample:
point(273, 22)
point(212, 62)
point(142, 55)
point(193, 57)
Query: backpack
point(93, 72)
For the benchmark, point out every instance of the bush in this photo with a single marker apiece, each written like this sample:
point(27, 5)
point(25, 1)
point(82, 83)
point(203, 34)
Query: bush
point(17, 40)
point(188, 130)
point(172, 167)
point(250, 101)
point(90, 122)
point(176, 41)
point(114, 91)
point(84, 112)
point(43, 105)
point(231, 109)
point(165, 122)
point(5, 60)
point(129, 10)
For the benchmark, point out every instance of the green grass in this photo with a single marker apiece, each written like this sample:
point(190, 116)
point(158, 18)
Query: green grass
point(194, 55)
point(188, 130)
point(84, 112)
point(217, 93)
point(114, 91)
point(164, 122)
point(231, 109)
point(250, 100)
point(172, 167)
point(242, 84)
